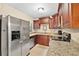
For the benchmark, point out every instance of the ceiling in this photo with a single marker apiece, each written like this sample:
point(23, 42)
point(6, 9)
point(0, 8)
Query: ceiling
point(32, 8)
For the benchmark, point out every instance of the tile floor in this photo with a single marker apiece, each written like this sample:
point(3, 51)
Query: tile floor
point(61, 48)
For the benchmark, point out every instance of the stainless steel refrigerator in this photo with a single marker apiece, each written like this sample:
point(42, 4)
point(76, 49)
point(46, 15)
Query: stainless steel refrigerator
point(14, 35)
point(3, 36)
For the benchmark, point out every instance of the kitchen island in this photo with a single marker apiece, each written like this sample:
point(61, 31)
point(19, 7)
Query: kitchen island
point(43, 38)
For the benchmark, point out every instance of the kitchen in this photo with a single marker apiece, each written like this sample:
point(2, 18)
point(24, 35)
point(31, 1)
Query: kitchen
point(39, 29)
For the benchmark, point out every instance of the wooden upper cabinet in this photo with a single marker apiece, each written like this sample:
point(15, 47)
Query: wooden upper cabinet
point(70, 15)
point(75, 15)
point(44, 20)
point(53, 22)
point(65, 16)
point(36, 24)
point(40, 21)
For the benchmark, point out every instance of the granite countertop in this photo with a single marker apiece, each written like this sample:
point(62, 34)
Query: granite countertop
point(43, 33)
point(62, 48)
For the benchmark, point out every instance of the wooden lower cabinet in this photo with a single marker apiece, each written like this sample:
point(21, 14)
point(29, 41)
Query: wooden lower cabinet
point(42, 39)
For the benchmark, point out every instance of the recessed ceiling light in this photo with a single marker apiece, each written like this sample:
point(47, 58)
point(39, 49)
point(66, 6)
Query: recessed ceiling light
point(41, 9)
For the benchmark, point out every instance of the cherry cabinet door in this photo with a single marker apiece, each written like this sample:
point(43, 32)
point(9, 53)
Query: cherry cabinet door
point(75, 15)
point(44, 20)
point(53, 23)
point(36, 24)
point(42, 39)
